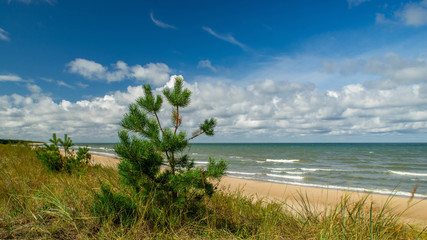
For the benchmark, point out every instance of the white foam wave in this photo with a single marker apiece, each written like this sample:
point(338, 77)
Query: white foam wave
point(237, 157)
point(285, 176)
point(295, 173)
point(104, 154)
point(323, 169)
point(201, 162)
point(99, 148)
point(310, 169)
point(282, 160)
point(280, 169)
point(409, 173)
point(241, 173)
point(418, 179)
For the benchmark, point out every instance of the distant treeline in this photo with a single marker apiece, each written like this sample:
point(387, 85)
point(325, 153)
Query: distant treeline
point(15, 141)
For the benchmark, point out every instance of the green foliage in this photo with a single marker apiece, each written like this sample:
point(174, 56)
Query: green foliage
point(180, 184)
point(142, 162)
point(116, 207)
point(51, 157)
point(176, 96)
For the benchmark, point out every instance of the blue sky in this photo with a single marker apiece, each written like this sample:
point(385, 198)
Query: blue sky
point(269, 71)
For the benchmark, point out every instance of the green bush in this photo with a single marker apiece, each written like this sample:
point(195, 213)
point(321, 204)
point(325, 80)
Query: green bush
point(51, 157)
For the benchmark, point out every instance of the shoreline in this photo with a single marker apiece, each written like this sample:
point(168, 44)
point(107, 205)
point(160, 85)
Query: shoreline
point(319, 198)
point(336, 188)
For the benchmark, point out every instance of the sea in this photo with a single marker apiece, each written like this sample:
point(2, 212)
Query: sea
point(381, 168)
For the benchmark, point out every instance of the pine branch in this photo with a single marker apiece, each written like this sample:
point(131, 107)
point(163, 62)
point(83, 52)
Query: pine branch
point(205, 128)
point(158, 122)
point(195, 134)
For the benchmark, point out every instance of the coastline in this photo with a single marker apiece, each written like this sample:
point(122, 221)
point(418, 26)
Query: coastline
point(413, 210)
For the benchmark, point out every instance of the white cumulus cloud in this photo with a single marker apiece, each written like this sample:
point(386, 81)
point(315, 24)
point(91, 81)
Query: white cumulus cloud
point(37, 116)
point(155, 73)
point(87, 68)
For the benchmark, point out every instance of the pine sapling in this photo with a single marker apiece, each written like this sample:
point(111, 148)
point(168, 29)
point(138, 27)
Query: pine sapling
point(145, 145)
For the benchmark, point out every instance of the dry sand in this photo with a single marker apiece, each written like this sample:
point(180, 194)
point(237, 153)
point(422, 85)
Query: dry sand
point(319, 198)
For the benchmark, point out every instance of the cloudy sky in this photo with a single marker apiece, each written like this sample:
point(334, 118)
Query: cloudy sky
point(269, 71)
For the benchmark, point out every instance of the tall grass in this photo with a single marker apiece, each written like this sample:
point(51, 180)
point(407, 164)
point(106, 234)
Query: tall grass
point(35, 203)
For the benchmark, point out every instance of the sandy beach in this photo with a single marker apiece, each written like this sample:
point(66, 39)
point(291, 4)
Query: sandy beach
point(414, 210)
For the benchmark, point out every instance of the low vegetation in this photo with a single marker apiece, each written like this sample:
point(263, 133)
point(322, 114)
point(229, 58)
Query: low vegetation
point(38, 203)
point(68, 161)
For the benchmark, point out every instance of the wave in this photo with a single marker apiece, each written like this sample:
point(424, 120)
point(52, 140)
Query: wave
point(279, 169)
point(419, 179)
point(282, 160)
point(236, 157)
point(408, 173)
point(324, 169)
point(292, 173)
point(295, 173)
point(242, 173)
point(201, 162)
point(99, 148)
point(104, 154)
point(285, 176)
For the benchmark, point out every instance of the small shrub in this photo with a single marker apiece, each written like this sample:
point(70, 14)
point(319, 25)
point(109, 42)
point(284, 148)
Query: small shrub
point(51, 157)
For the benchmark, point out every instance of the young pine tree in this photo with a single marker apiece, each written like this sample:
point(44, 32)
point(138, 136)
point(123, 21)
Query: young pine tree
point(145, 145)
point(69, 161)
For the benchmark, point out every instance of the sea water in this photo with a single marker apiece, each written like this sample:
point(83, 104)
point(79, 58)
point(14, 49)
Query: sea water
point(384, 168)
